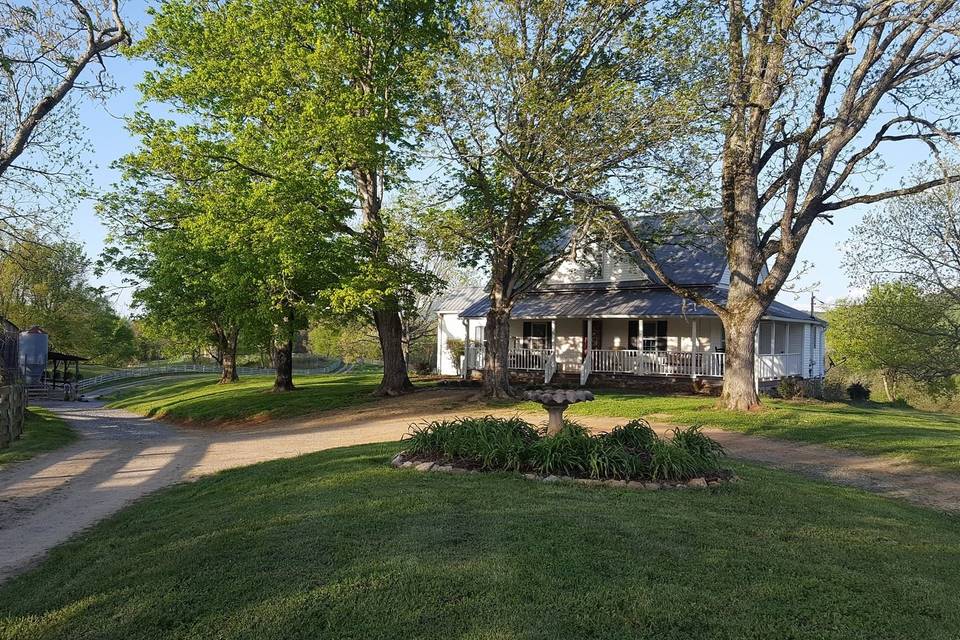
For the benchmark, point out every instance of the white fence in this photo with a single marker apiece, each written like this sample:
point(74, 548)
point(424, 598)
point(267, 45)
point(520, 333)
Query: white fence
point(142, 372)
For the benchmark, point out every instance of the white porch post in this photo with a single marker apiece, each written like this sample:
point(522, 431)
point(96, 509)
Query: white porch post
point(756, 360)
point(694, 349)
point(589, 351)
point(440, 344)
point(589, 336)
point(804, 352)
point(550, 364)
point(468, 348)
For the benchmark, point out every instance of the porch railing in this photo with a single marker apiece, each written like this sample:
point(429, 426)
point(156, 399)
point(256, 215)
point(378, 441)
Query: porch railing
point(518, 359)
point(657, 363)
point(529, 359)
point(641, 363)
point(777, 365)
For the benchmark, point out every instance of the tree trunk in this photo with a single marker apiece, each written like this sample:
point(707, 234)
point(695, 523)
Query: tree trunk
point(228, 367)
point(395, 380)
point(227, 348)
point(282, 348)
point(496, 369)
point(889, 385)
point(739, 371)
point(284, 357)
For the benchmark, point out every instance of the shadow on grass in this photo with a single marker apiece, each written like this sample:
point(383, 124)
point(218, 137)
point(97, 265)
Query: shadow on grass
point(252, 398)
point(337, 544)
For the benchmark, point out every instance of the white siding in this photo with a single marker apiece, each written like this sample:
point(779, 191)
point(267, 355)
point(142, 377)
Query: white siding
point(450, 327)
point(591, 264)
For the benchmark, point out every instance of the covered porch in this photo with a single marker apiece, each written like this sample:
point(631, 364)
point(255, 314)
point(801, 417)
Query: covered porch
point(659, 346)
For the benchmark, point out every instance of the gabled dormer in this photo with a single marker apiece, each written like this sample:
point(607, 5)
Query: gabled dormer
point(597, 264)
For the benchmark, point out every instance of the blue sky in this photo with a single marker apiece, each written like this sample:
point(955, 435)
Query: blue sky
point(110, 141)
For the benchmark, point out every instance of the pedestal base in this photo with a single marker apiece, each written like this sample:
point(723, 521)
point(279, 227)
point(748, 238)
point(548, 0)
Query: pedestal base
point(555, 419)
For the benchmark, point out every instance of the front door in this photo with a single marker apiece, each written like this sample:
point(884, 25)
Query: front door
point(596, 340)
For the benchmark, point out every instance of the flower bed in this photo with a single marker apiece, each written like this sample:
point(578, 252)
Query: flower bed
point(630, 453)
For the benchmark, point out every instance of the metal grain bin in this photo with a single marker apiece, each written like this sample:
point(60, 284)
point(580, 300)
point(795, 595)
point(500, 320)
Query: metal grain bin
point(34, 344)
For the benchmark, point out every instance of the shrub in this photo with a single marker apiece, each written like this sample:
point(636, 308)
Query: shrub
point(457, 349)
point(858, 392)
point(565, 453)
point(671, 462)
point(833, 391)
point(636, 435)
point(422, 367)
point(790, 387)
point(705, 450)
point(632, 450)
point(492, 443)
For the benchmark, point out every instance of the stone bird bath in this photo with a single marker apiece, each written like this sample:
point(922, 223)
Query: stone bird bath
point(556, 402)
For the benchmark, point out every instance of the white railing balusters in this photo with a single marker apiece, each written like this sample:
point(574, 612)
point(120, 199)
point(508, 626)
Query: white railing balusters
point(778, 365)
point(630, 361)
point(550, 367)
point(657, 363)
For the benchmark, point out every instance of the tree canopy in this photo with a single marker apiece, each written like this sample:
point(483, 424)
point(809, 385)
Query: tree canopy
point(49, 285)
point(898, 332)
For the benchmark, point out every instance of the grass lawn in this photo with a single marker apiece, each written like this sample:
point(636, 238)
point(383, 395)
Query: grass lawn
point(93, 370)
point(924, 437)
point(251, 399)
point(42, 431)
point(339, 545)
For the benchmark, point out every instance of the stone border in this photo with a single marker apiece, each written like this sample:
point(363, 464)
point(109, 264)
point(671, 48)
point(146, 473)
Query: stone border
point(400, 462)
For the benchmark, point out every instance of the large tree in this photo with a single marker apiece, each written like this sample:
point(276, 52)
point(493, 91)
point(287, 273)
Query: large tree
point(49, 285)
point(897, 332)
point(913, 239)
point(51, 53)
point(544, 88)
point(216, 246)
point(813, 92)
point(341, 80)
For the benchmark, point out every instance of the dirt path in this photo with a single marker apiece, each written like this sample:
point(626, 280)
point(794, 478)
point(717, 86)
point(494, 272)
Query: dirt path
point(122, 457)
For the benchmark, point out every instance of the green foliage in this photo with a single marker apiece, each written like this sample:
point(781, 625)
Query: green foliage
point(790, 388)
point(898, 332)
point(457, 349)
point(632, 450)
point(349, 342)
point(49, 285)
point(705, 449)
point(858, 392)
point(492, 443)
point(671, 462)
point(636, 435)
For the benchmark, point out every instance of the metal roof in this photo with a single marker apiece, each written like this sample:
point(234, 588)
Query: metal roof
point(598, 303)
point(457, 300)
point(690, 247)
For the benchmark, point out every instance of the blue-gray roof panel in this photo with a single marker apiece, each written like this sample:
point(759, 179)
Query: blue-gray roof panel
point(596, 303)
